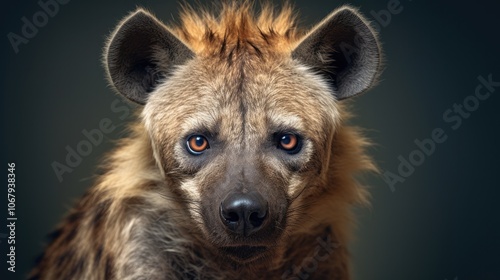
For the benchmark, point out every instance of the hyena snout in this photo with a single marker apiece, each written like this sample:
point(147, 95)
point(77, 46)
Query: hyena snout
point(244, 213)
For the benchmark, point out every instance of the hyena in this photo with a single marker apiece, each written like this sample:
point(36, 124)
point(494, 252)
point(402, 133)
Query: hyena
point(241, 163)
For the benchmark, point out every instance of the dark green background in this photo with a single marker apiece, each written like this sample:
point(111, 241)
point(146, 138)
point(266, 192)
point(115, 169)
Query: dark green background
point(440, 223)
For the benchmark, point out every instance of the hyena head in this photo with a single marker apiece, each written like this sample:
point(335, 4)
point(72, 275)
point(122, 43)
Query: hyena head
point(241, 111)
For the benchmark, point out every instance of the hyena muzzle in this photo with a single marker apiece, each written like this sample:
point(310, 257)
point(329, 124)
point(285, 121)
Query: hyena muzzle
point(241, 163)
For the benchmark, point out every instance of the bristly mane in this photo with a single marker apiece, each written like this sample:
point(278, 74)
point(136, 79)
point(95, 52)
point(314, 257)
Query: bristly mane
point(238, 26)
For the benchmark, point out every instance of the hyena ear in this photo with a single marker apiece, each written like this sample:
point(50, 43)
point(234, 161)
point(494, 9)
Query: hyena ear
point(140, 53)
point(344, 49)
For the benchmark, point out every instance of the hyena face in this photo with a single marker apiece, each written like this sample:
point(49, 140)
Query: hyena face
point(240, 143)
point(241, 112)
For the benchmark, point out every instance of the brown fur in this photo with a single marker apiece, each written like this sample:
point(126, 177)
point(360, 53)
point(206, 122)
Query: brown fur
point(237, 31)
point(144, 218)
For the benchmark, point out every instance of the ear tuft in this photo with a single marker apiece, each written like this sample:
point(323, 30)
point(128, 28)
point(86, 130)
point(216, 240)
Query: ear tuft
point(140, 53)
point(345, 50)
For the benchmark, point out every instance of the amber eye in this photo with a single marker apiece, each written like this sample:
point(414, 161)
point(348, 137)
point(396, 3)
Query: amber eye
point(197, 144)
point(290, 143)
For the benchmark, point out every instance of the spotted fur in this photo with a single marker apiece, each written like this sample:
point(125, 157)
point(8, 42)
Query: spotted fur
point(237, 77)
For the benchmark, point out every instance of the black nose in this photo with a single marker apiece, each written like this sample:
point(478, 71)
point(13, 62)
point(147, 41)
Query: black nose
point(244, 213)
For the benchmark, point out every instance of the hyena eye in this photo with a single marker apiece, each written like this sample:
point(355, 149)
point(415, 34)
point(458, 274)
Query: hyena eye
point(290, 143)
point(197, 144)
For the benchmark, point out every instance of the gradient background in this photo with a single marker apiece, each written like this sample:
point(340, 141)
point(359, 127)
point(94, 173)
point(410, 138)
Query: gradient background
point(440, 223)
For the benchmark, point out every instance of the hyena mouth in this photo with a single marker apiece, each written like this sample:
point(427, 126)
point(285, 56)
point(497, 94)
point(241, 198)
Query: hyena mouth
point(245, 253)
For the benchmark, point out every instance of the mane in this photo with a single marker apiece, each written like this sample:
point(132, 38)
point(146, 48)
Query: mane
point(238, 27)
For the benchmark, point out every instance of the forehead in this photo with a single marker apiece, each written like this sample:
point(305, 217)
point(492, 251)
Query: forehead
point(250, 97)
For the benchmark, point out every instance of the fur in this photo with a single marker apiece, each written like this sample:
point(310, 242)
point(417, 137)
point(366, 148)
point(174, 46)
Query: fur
point(145, 217)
